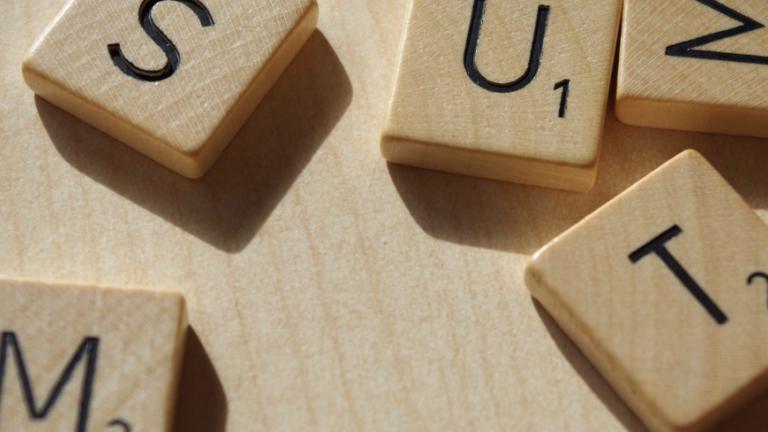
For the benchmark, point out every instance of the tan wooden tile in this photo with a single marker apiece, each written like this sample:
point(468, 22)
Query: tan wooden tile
point(696, 65)
point(527, 107)
point(182, 104)
point(653, 288)
point(84, 358)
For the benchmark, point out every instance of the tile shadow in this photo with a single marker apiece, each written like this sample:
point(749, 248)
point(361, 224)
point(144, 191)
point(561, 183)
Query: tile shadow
point(228, 206)
point(517, 218)
point(753, 417)
point(201, 405)
point(750, 418)
point(589, 374)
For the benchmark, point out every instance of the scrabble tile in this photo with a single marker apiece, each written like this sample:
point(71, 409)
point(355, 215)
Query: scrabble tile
point(81, 358)
point(175, 80)
point(694, 65)
point(513, 91)
point(664, 290)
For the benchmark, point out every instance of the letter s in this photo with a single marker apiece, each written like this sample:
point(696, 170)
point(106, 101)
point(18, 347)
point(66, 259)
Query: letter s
point(157, 35)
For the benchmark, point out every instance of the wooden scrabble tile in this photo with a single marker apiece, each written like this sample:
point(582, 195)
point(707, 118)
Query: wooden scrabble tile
point(663, 289)
point(173, 79)
point(513, 91)
point(695, 65)
point(82, 358)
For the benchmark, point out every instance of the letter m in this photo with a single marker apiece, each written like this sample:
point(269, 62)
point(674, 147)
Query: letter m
point(87, 352)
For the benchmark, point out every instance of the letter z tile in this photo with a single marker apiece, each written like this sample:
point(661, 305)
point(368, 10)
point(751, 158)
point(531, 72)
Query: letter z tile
point(175, 80)
point(695, 65)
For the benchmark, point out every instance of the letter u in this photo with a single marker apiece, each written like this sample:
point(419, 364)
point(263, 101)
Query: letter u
point(534, 61)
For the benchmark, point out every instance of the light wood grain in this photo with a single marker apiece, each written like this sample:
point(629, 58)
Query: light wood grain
point(624, 284)
point(440, 119)
point(328, 290)
point(694, 94)
point(124, 348)
point(186, 120)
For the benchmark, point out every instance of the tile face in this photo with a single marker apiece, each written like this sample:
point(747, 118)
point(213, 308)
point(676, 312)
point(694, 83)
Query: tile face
point(80, 358)
point(695, 65)
point(514, 91)
point(173, 79)
point(664, 290)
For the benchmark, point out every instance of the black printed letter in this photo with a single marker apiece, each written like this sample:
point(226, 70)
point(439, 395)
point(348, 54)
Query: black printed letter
point(687, 48)
point(755, 276)
point(88, 352)
point(657, 246)
point(534, 61)
point(157, 35)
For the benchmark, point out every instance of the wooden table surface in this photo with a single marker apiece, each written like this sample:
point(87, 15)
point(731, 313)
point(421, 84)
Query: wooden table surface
point(328, 290)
